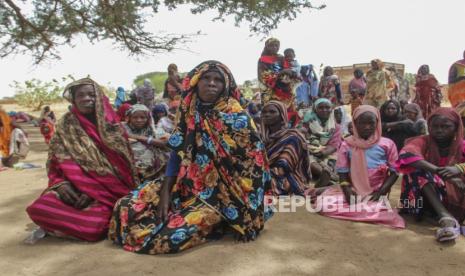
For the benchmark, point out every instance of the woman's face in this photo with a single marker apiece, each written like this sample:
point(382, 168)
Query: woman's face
point(366, 125)
point(328, 71)
point(84, 99)
point(374, 65)
point(270, 115)
point(442, 129)
point(358, 74)
point(210, 87)
point(272, 48)
point(138, 119)
point(424, 70)
point(391, 110)
point(323, 111)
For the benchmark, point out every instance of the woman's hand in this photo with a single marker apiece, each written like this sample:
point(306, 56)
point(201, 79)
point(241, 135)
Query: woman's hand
point(164, 205)
point(83, 201)
point(448, 172)
point(68, 194)
point(348, 193)
point(375, 196)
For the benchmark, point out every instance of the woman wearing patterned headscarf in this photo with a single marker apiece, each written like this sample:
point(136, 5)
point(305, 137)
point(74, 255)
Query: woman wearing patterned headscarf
point(216, 176)
point(270, 64)
point(89, 167)
point(150, 154)
point(287, 151)
point(456, 89)
point(427, 91)
point(324, 136)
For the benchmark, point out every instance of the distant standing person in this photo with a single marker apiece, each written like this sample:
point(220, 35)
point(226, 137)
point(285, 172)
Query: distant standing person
point(403, 91)
point(427, 91)
point(269, 66)
point(378, 84)
point(145, 94)
point(173, 87)
point(47, 123)
point(457, 82)
point(120, 97)
point(330, 86)
point(357, 89)
point(307, 90)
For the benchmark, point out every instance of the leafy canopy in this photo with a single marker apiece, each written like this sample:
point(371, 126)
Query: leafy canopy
point(38, 27)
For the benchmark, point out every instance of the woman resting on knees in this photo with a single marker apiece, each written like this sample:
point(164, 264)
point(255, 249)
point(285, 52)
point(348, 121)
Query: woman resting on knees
point(89, 167)
point(150, 154)
point(215, 177)
point(287, 151)
point(324, 136)
point(365, 165)
point(434, 173)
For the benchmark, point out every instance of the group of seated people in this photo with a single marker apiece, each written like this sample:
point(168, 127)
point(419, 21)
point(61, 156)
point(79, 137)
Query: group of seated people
point(157, 192)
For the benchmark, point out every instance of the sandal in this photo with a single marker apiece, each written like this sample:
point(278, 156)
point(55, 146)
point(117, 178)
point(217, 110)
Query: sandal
point(440, 233)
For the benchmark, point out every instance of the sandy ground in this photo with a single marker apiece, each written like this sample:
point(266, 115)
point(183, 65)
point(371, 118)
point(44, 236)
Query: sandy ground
point(292, 243)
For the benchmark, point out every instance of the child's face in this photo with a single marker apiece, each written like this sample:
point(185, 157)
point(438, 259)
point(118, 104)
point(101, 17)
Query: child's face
point(138, 119)
point(289, 56)
point(411, 115)
point(442, 129)
point(350, 128)
point(338, 115)
point(366, 125)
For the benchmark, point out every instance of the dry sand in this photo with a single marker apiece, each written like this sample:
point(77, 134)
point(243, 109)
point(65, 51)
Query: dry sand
point(292, 243)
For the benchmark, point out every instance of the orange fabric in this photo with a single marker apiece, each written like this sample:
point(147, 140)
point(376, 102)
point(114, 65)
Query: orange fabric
point(457, 93)
point(5, 134)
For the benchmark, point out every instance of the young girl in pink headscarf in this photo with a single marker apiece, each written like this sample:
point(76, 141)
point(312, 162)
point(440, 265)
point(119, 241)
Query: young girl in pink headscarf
point(365, 165)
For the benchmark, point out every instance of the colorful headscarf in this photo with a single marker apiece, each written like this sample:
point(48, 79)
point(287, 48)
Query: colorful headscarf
point(461, 109)
point(137, 107)
point(290, 145)
point(74, 133)
point(358, 163)
point(425, 146)
point(322, 133)
point(284, 119)
point(223, 158)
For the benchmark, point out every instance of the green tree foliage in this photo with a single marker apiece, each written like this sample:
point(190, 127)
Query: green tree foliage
point(39, 27)
point(157, 79)
point(35, 93)
point(410, 77)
